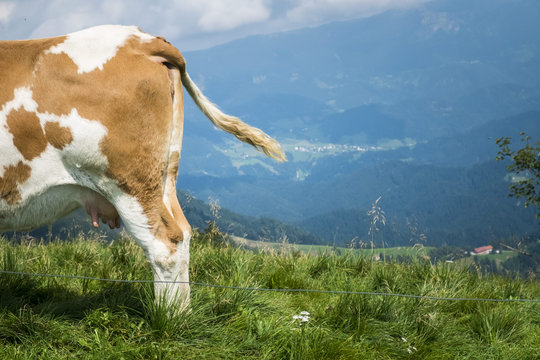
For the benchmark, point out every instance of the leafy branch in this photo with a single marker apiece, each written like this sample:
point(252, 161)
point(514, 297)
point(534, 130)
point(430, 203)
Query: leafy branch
point(526, 164)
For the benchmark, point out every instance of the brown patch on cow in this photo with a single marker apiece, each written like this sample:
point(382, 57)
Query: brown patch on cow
point(162, 48)
point(172, 170)
point(57, 135)
point(28, 136)
point(173, 231)
point(13, 175)
point(17, 61)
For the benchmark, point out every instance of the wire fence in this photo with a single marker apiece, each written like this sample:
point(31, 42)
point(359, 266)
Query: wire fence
point(335, 292)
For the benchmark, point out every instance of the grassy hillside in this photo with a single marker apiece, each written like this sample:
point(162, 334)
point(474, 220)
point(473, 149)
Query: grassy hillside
point(54, 318)
point(410, 251)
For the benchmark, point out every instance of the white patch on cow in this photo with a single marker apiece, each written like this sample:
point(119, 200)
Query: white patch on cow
point(187, 236)
point(91, 48)
point(22, 97)
point(175, 143)
point(84, 151)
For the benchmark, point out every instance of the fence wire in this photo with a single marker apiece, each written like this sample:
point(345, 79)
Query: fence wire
point(335, 292)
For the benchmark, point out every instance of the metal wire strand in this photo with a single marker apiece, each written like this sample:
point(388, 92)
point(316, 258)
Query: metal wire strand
point(337, 292)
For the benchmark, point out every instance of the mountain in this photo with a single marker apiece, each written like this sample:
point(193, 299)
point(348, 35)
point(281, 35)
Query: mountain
point(405, 104)
point(448, 206)
point(419, 74)
point(447, 184)
point(450, 60)
point(478, 144)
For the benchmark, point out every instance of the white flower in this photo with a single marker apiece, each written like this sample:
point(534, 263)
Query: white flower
point(302, 318)
point(403, 339)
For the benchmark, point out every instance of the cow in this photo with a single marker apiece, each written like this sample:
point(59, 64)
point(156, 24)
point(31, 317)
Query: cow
point(94, 120)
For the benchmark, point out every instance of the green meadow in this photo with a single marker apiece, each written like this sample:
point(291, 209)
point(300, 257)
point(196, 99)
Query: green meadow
point(61, 318)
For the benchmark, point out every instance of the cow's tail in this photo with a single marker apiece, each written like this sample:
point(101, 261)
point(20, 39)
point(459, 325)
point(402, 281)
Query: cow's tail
point(231, 124)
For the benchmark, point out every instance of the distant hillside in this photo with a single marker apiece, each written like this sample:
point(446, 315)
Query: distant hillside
point(478, 144)
point(363, 125)
point(424, 203)
point(199, 214)
point(450, 188)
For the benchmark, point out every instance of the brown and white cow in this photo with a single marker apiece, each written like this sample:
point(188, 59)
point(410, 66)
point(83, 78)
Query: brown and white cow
point(94, 119)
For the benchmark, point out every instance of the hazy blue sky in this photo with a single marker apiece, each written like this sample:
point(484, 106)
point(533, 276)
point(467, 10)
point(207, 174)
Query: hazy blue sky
point(189, 24)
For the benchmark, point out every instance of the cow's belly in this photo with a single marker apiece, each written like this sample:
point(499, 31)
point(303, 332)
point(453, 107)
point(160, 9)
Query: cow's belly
point(53, 188)
point(43, 208)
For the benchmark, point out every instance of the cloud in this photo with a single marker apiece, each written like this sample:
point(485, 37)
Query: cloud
point(171, 18)
point(189, 24)
point(59, 17)
point(222, 15)
point(6, 9)
point(440, 21)
point(259, 79)
point(321, 11)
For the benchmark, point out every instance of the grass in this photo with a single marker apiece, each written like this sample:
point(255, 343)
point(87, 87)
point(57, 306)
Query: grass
point(54, 318)
point(412, 251)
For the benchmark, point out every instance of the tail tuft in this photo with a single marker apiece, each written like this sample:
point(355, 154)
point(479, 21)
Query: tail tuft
point(248, 134)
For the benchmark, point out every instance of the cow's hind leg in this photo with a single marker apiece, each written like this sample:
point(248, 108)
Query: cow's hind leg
point(177, 224)
point(165, 241)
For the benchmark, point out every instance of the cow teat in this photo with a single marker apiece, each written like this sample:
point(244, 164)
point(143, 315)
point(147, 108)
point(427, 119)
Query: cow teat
point(100, 208)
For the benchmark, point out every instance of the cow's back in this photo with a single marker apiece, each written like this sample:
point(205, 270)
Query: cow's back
point(17, 62)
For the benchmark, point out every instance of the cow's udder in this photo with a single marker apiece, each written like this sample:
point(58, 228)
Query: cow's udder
point(100, 208)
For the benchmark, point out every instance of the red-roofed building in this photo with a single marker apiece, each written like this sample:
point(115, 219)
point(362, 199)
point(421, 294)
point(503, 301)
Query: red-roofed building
point(482, 250)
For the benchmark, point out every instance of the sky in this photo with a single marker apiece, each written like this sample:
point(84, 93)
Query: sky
point(188, 24)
